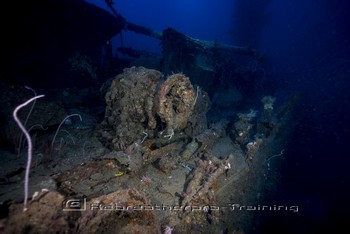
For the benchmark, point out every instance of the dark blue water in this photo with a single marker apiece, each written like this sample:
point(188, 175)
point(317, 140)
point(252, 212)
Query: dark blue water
point(308, 44)
point(307, 50)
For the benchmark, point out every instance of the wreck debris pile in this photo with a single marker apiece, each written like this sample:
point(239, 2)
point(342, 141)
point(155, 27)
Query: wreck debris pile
point(160, 149)
point(130, 109)
point(243, 127)
point(128, 205)
point(177, 99)
point(141, 105)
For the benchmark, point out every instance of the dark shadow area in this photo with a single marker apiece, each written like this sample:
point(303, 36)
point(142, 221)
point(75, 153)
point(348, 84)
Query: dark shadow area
point(316, 64)
point(40, 38)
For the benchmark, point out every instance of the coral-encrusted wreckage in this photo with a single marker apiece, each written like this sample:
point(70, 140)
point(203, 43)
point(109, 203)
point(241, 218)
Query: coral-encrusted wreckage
point(161, 164)
point(141, 103)
point(168, 154)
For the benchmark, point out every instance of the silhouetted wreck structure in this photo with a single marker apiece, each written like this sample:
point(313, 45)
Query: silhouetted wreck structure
point(45, 34)
point(39, 37)
point(206, 62)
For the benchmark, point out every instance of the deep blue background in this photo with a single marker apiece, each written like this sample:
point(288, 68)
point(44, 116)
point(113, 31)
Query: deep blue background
point(307, 50)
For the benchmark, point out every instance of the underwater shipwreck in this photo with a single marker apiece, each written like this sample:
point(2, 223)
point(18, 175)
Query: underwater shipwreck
point(188, 141)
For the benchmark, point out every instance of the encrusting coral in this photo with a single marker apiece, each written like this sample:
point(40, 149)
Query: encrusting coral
point(130, 107)
point(268, 102)
point(176, 102)
point(141, 104)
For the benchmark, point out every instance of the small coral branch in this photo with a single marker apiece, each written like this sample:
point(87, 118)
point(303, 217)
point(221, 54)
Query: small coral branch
point(62, 122)
point(25, 122)
point(272, 157)
point(30, 146)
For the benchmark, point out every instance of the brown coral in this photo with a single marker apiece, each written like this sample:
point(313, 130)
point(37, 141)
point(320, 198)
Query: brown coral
point(130, 107)
point(176, 102)
point(140, 104)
